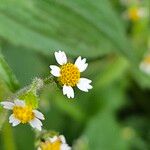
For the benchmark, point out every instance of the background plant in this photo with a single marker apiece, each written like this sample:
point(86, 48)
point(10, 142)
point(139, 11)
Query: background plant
point(115, 114)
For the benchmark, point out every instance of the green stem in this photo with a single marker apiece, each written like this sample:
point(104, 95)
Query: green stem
point(3, 117)
point(48, 80)
point(8, 138)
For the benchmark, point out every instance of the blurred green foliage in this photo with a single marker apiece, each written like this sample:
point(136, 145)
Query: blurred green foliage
point(115, 114)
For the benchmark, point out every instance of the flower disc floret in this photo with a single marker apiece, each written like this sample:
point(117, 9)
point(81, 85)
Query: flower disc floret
point(54, 143)
point(51, 146)
point(24, 114)
point(69, 75)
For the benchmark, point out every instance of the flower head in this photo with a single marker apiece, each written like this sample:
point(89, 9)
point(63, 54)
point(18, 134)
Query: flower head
point(69, 74)
point(55, 143)
point(145, 64)
point(135, 13)
point(22, 113)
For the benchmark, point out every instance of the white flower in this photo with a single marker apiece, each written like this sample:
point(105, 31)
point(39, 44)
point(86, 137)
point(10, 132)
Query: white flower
point(23, 113)
point(135, 13)
point(145, 65)
point(143, 12)
point(68, 74)
point(56, 142)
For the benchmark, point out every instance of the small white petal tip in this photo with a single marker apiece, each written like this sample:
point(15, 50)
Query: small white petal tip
point(84, 84)
point(61, 57)
point(18, 102)
point(7, 105)
point(53, 139)
point(68, 90)
point(55, 70)
point(36, 123)
point(14, 121)
point(81, 64)
point(39, 115)
point(145, 68)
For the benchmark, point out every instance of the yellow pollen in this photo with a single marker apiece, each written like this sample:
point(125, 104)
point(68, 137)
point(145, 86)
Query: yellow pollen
point(134, 14)
point(51, 146)
point(24, 114)
point(147, 60)
point(70, 75)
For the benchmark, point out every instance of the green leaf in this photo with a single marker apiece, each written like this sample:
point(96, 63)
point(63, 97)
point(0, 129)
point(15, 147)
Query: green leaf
point(8, 84)
point(7, 75)
point(79, 28)
point(104, 133)
point(30, 98)
point(115, 70)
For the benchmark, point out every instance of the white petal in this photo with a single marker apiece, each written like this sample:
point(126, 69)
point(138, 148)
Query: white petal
point(61, 57)
point(142, 12)
point(62, 138)
point(55, 70)
point(39, 148)
point(81, 64)
point(38, 114)
point(84, 84)
point(19, 103)
point(65, 147)
point(7, 105)
point(36, 123)
point(53, 139)
point(13, 120)
point(68, 90)
point(145, 68)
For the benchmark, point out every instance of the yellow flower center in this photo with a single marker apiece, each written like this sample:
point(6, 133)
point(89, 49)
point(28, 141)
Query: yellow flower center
point(147, 60)
point(70, 75)
point(134, 14)
point(24, 114)
point(51, 146)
